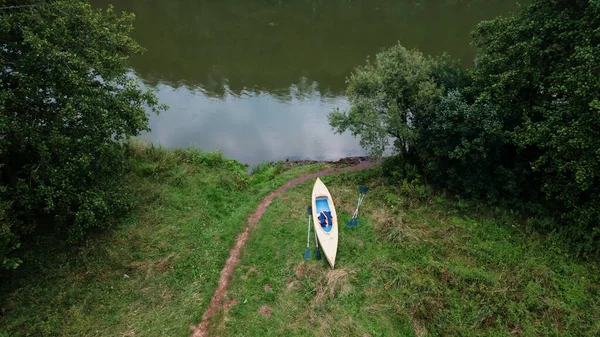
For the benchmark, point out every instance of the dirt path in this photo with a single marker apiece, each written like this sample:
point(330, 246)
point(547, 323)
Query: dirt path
point(218, 298)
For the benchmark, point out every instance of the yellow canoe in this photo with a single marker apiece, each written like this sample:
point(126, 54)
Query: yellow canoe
point(327, 231)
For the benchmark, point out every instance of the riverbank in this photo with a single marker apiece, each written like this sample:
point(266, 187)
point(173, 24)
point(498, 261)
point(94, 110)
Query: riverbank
point(417, 264)
point(154, 274)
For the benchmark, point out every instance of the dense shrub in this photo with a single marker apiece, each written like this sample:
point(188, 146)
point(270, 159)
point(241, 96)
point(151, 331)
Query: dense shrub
point(66, 102)
point(460, 146)
point(541, 70)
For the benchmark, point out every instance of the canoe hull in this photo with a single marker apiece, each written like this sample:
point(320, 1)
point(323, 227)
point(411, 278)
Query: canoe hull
point(328, 236)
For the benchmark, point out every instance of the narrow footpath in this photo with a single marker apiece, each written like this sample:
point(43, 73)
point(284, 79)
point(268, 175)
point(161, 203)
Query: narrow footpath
point(217, 300)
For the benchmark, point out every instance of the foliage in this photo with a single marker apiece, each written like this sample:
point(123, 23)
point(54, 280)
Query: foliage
point(390, 96)
point(540, 70)
point(460, 146)
point(66, 102)
point(385, 96)
point(261, 167)
point(449, 74)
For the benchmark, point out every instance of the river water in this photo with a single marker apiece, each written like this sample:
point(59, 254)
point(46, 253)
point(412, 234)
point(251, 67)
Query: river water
point(257, 78)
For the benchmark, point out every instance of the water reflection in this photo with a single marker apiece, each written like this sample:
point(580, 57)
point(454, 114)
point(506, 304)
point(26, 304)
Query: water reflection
point(257, 78)
point(252, 127)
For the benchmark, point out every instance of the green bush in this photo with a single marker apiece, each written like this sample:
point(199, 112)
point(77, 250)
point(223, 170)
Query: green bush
point(66, 103)
point(460, 147)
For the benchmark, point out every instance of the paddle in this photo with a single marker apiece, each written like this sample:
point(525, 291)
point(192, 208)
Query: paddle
point(362, 192)
point(317, 251)
point(307, 251)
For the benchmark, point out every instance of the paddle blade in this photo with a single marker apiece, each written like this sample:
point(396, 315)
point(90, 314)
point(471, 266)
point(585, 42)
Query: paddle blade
point(363, 190)
point(309, 210)
point(352, 223)
point(318, 254)
point(307, 254)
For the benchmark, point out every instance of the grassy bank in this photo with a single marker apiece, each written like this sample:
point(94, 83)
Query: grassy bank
point(155, 273)
point(417, 265)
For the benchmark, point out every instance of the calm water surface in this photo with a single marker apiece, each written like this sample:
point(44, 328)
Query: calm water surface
point(257, 78)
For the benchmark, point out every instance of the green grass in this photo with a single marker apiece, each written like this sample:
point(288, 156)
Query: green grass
point(415, 266)
point(418, 264)
point(155, 273)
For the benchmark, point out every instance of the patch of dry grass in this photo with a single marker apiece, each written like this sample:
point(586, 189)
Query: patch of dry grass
point(150, 267)
point(334, 283)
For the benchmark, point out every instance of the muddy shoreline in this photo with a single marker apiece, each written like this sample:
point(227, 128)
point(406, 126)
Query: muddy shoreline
point(342, 161)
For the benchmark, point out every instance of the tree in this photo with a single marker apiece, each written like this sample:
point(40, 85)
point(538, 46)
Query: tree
point(541, 70)
point(385, 96)
point(66, 103)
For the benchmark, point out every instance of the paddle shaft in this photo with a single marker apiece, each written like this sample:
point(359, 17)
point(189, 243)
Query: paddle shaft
point(308, 235)
point(316, 240)
point(360, 199)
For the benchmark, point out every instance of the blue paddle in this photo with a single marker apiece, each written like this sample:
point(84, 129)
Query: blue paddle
point(362, 191)
point(307, 251)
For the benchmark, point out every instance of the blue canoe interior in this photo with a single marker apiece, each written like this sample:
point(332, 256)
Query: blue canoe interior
point(323, 206)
